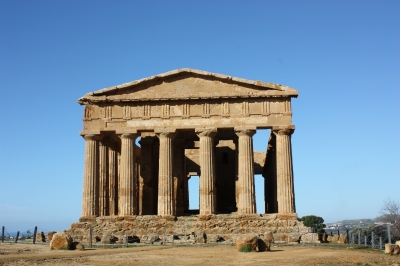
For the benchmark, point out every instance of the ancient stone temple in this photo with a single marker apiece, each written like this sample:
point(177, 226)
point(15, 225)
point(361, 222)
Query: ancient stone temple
point(145, 139)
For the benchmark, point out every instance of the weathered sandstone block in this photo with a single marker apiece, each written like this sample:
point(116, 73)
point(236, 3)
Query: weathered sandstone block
point(108, 239)
point(335, 239)
point(342, 239)
point(310, 238)
point(78, 246)
point(150, 239)
point(50, 235)
point(389, 248)
point(249, 240)
point(212, 238)
point(40, 237)
point(263, 245)
point(396, 250)
point(294, 238)
point(61, 241)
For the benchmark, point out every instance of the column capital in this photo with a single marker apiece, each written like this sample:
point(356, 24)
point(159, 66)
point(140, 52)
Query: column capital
point(245, 131)
point(166, 134)
point(129, 136)
point(206, 132)
point(89, 132)
point(92, 137)
point(283, 130)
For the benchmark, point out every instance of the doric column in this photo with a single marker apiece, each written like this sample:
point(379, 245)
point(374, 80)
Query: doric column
point(247, 200)
point(113, 181)
point(90, 198)
point(103, 179)
point(128, 177)
point(207, 171)
point(286, 203)
point(165, 178)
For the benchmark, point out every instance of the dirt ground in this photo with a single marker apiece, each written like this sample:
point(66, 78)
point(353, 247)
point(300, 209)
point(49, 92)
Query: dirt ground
point(29, 254)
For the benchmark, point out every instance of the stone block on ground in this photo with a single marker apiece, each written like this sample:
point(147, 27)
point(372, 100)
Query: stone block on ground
point(200, 238)
point(61, 241)
point(108, 239)
point(78, 246)
point(335, 239)
point(294, 238)
point(269, 236)
point(212, 238)
point(40, 237)
point(263, 245)
point(310, 238)
point(390, 248)
point(396, 250)
point(150, 239)
point(50, 235)
point(342, 239)
point(249, 240)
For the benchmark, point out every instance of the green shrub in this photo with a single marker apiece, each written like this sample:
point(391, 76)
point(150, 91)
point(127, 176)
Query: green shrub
point(245, 249)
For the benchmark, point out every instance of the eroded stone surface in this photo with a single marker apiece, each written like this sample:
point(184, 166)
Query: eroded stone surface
point(222, 228)
point(247, 240)
point(61, 240)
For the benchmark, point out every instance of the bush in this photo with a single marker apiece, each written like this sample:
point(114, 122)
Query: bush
point(245, 249)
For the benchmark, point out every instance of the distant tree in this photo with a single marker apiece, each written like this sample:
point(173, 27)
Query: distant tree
point(390, 213)
point(28, 234)
point(314, 222)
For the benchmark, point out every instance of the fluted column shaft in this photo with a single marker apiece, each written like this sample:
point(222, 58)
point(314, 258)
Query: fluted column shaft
point(247, 201)
point(165, 178)
point(90, 199)
point(285, 187)
point(128, 178)
point(113, 181)
point(207, 171)
point(103, 179)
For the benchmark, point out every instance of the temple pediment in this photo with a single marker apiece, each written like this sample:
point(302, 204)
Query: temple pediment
point(186, 84)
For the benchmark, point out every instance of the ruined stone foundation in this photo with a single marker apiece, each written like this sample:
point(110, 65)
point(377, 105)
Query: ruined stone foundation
point(220, 228)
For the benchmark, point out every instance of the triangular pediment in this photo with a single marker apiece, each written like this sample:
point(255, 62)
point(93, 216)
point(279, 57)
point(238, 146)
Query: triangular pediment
point(183, 84)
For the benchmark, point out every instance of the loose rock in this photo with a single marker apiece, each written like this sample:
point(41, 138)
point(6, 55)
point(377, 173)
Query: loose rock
point(249, 240)
point(61, 241)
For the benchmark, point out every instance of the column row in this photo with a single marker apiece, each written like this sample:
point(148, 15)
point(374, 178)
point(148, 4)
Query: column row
point(105, 194)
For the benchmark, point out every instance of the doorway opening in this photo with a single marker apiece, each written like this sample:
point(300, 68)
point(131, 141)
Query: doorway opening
point(194, 196)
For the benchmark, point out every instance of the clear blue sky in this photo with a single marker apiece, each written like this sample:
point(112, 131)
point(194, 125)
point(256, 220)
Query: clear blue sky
point(342, 56)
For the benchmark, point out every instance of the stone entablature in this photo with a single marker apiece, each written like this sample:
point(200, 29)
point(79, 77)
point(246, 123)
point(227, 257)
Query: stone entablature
point(188, 122)
point(188, 98)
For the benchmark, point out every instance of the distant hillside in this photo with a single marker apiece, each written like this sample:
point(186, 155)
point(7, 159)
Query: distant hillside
point(345, 225)
point(357, 221)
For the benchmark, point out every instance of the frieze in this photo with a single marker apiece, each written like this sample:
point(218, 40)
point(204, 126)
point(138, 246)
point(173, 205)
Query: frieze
point(234, 108)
